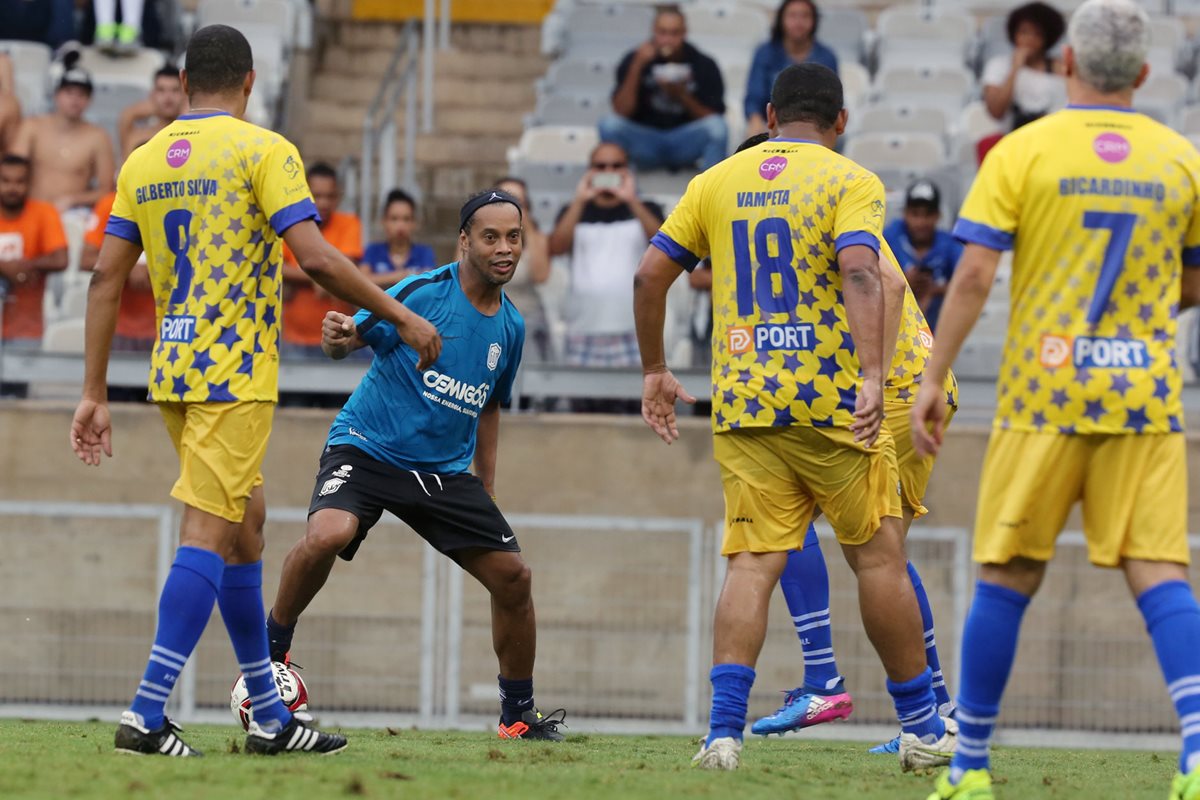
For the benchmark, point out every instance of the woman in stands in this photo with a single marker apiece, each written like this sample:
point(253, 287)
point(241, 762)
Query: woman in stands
point(793, 41)
point(534, 269)
point(1018, 89)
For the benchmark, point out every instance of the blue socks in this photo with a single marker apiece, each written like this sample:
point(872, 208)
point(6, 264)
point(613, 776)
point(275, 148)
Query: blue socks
point(805, 584)
point(915, 706)
point(731, 691)
point(184, 607)
point(931, 653)
point(989, 645)
point(1173, 620)
point(240, 600)
point(516, 697)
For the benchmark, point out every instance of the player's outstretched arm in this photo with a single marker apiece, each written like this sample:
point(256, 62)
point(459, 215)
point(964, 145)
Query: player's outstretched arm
point(339, 335)
point(862, 288)
point(91, 429)
point(341, 277)
point(964, 301)
point(660, 389)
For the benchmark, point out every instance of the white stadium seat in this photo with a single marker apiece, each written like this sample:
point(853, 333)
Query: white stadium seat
point(280, 14)
point(555, 144)
point(945, 81)
point(942, 25)
point(899, 118)
point(1189, 122)
point(64, 336)
point(904, 150)
point(135, 70)
point(580, 76)
point(31, 68)
point(569, 109)
point(844, 30)
point(856, 82)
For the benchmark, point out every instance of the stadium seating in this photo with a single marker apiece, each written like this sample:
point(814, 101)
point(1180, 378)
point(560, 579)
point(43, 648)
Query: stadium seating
point(569, 109)
point(555, 144)
point(31, 67)
point(938, 35)
point(876, 151)
point(899, 118)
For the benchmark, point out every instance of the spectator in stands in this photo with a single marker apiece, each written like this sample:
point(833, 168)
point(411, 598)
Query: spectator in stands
point(669, 103)
point(394, 259)
point(136, 319)
point(72, 159)
point(145, 118)
point(927, 255)
point(605, 230)
point(121, 37)
point(793, 41)
point(533, 271)
point(305, 303)
point(10, 106)
point(1030, 83)
point(32, 244)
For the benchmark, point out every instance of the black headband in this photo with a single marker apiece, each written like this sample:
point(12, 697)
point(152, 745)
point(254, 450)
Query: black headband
point(486, 199)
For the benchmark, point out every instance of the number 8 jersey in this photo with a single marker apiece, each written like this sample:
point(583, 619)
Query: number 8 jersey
point(208, 199)
point(1100, 207)
point(773, 218)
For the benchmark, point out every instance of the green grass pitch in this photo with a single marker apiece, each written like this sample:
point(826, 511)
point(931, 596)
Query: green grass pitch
point(75, 760)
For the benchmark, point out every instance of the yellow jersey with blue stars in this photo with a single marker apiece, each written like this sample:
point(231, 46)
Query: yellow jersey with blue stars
point(1099, 205)
point(208, 199)
point(772, 219)
point(913, 345)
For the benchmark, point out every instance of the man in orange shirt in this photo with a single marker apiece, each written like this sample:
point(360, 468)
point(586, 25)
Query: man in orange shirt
point(32, 243)
point(136, 323)
point(305, 303)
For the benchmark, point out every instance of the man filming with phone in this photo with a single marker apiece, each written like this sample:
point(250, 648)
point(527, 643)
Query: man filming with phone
point(604, 229)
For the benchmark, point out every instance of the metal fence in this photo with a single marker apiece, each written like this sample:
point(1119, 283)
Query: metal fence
point(624, 604)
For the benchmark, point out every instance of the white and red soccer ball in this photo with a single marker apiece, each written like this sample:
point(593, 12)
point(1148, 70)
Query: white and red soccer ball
point(292, 691)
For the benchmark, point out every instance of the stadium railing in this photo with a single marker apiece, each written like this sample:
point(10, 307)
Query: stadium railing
point(624, 611)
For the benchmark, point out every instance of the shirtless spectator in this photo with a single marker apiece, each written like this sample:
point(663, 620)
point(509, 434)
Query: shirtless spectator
point(32, 244)
point(145, 118)
point(10, 106)
point(72, 159)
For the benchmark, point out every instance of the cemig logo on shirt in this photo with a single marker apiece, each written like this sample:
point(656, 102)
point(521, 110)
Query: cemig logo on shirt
point(179, 153)
point(772, 168)
point(1055, 350)
point(1112, 147)
point(458, 390)
point(1100, 352)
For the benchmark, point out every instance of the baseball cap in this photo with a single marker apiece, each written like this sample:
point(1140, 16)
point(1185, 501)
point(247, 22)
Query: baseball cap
point(923, 193)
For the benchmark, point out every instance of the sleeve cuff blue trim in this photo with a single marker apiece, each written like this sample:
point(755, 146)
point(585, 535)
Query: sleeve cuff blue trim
point(971, 232)
point(298, 211)
point(675, 251)
point(1191, 256)
point(123, 229)
point(851, 238)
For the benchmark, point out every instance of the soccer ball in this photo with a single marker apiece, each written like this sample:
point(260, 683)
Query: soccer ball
point(292, 691)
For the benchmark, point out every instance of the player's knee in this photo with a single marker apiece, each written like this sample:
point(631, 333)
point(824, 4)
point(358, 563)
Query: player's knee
point(329, 540)
point(513, 585)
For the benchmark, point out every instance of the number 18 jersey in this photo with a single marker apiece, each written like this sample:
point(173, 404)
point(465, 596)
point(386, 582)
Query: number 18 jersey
point(1100, 206)
point(773, 219)
point(208, 199)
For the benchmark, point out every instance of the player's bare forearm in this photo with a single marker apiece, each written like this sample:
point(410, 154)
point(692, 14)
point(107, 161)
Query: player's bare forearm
point(116, 260)
point(487, 443)
point(965, 298)
point(862, 289)
point(894, 287)
point(1189, 295)
point(650, 286)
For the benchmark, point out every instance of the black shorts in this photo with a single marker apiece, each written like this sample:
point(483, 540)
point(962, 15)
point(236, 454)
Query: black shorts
point(451, 512)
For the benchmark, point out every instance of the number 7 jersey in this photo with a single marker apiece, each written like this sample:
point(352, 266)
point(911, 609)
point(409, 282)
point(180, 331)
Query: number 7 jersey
point(1100, 207)
point(208, 199)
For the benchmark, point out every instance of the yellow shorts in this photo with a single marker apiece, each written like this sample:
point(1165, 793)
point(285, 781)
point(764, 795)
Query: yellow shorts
point(221, 448)
point(914, 470)
point(774, 479)
point(1133, 488)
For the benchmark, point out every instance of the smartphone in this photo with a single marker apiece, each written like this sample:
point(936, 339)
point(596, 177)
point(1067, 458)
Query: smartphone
point(606, 180)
